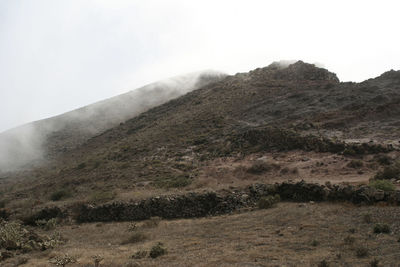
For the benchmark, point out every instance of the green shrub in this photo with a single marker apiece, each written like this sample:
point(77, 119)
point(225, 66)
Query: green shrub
point(389, 172)
point(60, 194)
point(381, 228)
point(81, 166)
point(323, 263)
point(374, 263)
point(47, 225)
point(355, 164)
point(157, 250)
point(382, 185)
point(349, 152)
point(362, 251)
point(268, 201)
point(13, 236)
point(384, 160)
point(315, 243)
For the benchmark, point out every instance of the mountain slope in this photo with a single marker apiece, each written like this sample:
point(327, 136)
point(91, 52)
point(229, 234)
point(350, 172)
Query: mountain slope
point(46, 139)
point(219, 130)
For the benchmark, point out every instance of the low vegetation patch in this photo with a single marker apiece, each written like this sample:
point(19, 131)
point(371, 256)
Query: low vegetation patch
point(382, 185)
point(152, 222)
point(381, 228)
point(384, 160)
point(174, 181)
point(135, 238)
point(157, 250)
point(62, 260)
point(349, 240)
point(389, 172)
point(47, 224)
point(367, 218)
point(361, 251)
point(140, 254)
point(60, 194)
point(262, 167)
point(13, 236)
point(355, 164)
point(268, 201)
point(101, 196)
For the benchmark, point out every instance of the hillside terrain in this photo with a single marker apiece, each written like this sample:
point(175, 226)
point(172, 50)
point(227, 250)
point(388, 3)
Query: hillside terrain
point(37, 142)
point(280, 125)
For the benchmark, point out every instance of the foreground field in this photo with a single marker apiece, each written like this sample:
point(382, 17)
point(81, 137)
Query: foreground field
point(290, 234)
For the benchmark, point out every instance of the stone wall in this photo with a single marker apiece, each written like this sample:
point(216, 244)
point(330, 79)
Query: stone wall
point(212, 203)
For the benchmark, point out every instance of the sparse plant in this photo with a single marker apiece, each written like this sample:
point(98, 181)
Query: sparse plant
point(101, 196)
point(381, 228)
point(11, 235)
point(174, 181)
point(323, 263)
point(134, 238)
point(157, 250)
point(389, 172)
point(355, 164)
point(349, 152)
point(374, 263)
point(382, 185)
point(349, 240)
point(47, 225)
point(97, 259)
point(152, 222)
point(267, 202)
point(140, 254)
point(81, 166)
point(361, 251)
point(132, 227)
point(314, 243)
point(60, 194)
point(288, 170)
point(367, 218)
point(62, 260)
point(260, 167)
point(384, 160)
point(352, 230)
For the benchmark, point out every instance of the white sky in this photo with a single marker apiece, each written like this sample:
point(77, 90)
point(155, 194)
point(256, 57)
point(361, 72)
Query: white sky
point(56, 56)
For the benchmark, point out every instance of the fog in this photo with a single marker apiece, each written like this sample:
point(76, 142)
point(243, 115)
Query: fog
point(57, 55)
point(31, 144)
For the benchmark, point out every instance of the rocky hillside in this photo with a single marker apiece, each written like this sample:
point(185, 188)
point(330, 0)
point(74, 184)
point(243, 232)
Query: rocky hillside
point(225, 124)
point(29, 144)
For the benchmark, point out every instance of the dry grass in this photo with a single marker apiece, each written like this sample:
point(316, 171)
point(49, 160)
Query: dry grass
point(273, 237)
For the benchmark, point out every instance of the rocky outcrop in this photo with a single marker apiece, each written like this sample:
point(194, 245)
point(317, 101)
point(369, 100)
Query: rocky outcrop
point(297, 71)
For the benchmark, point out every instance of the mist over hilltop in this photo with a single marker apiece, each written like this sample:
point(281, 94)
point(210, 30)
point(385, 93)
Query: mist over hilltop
point(29, 144)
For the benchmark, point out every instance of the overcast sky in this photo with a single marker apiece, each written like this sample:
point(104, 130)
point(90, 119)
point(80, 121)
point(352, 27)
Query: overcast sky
point(56, 56)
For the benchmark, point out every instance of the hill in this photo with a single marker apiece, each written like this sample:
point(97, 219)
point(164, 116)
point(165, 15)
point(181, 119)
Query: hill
point(245, 147)
point(228, 124)
point(31, 144)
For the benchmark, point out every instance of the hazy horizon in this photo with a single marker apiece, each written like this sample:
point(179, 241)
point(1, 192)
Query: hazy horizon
point(61, 55)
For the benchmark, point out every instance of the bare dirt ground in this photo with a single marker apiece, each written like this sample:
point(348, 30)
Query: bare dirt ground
point(291, 234)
